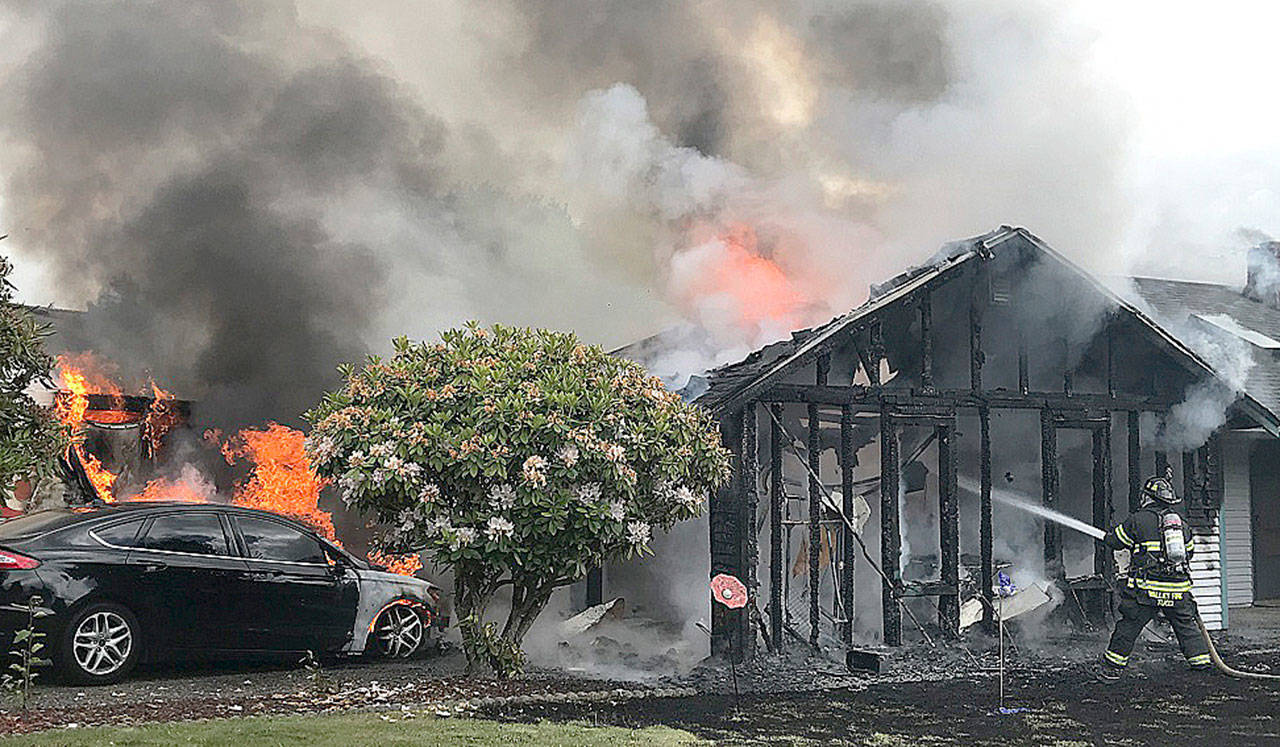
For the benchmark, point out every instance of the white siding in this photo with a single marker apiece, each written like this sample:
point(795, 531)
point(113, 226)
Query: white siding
point(1237, 522)
point(1206, 581)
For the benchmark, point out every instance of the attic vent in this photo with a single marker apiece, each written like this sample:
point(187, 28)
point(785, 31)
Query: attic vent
point(1001, 291)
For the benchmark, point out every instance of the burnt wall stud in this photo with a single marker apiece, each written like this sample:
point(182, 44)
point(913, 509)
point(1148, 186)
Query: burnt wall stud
point(1102, 494)
point(747, 522)
point(976, 356)
point(948, 531)
point(849, 557)
point(876, 352)
point(1049, 487)
point(815, 521)
point(724, 522)
point(1068, 380)
point(776, 501)
point(822, 369)
point(890, 540)
point(1162, 463)
point(1109, 331)
point(1135, 463)
point(1024, 377)
point(926, 341)
point(986, 528)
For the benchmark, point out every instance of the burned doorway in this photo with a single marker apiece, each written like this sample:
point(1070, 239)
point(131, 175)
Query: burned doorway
point(1076, 559)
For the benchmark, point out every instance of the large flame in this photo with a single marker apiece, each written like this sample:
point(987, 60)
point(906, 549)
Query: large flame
point(726, 274)
point(280, 477)
point(78, 377)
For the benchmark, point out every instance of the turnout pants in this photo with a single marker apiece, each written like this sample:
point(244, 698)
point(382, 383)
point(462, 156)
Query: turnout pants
point(1135, 613)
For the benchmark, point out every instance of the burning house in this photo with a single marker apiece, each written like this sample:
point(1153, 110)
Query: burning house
point(876, 455)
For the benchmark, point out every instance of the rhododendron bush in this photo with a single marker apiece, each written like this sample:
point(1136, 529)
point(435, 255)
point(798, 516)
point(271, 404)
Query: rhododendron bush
point(516, 457)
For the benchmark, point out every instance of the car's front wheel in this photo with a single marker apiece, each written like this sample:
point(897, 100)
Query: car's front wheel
point(100, 645)
point(399, 632)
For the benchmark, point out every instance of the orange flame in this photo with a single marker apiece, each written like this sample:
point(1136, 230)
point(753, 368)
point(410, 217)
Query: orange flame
point(280, 479)
point(161, 489)
point(162, 417)
point(405, 565)
point(731, 267)
point(72, 409)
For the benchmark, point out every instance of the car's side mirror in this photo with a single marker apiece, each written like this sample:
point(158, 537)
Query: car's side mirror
point(338, 564)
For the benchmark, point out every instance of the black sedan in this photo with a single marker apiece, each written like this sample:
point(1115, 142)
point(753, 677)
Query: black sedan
point(131, 581)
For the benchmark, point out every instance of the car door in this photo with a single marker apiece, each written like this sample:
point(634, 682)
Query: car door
point(301, 601)
point(189, 577)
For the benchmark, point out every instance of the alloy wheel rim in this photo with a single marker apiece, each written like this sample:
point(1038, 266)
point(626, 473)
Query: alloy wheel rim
point(399, 631)
point(102, 643)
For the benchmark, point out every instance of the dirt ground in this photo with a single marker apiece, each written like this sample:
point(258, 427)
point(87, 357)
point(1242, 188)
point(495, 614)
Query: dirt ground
point(924, 695)
point(1160, 703)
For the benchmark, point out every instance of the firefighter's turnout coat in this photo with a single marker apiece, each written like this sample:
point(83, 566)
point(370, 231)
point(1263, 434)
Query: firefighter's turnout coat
point(1154, 586)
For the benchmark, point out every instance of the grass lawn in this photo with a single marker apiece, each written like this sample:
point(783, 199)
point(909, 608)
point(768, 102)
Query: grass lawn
point(356, 729)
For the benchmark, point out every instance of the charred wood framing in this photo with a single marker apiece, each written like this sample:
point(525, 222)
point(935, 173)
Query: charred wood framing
point(822, 369)
point(1102, 493)
point(926, 341)
point(986, 527)
point(1213, 473)
point(976, 357)
point(890, 540)
point(125, 403)
point(724, 521)
point(875, 352)
point(1024, 378)
point(1135, 463)
point(1068, 382)
point(948, 531)
point(777, 498)
point(849, 557)
point(747, 522)
point(1110, 338)
point(1162, 463)
point(815, 522)
point(1049, 486)
point(870, 399)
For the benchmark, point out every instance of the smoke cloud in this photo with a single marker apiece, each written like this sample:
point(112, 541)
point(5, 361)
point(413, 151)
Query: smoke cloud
point(244, 194)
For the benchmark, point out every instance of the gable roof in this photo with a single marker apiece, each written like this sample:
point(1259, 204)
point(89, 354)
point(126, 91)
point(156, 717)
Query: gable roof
point(731, 385)
point(1228, 311)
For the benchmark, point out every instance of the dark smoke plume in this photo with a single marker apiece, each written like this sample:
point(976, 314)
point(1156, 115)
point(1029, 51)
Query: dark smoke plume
point(246, 193)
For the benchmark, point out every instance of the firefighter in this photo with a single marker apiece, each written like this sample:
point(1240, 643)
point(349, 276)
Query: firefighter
point(1159, 582)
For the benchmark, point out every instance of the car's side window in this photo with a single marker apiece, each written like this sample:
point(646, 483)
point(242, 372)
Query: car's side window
point(198, 533)
point(123, 534)
point(269, 540)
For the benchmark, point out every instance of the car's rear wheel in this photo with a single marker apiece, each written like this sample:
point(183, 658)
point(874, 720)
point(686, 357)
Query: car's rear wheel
point(100, 645)
point(399, 632)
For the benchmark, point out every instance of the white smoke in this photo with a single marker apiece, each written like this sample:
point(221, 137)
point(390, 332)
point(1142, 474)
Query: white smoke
point(1205, 404)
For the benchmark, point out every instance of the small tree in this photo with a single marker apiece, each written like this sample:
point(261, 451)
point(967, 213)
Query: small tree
point(517, 457)
point(30, 436)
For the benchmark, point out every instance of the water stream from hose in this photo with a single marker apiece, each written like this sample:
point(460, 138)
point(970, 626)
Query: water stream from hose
point(1017, 500)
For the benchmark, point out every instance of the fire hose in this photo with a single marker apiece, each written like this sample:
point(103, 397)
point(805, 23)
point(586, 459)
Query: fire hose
point(1222, 665)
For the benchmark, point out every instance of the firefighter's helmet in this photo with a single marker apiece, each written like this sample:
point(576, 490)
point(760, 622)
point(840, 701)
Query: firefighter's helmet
point(1160, 489)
